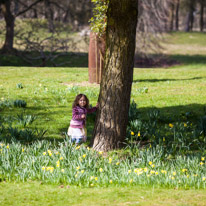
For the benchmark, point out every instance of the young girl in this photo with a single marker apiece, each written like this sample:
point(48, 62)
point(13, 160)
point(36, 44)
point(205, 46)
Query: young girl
point(77, 128)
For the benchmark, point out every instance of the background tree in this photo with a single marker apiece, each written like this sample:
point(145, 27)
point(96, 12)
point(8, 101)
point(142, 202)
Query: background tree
point(9, 19)
point(115, 89)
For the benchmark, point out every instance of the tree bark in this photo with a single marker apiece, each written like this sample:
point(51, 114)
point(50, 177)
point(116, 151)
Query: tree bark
point(9, 19)
point(115, 88)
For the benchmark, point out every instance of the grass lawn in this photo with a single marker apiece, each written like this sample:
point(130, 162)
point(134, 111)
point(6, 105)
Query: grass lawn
point(49, 93)
point(37, 194)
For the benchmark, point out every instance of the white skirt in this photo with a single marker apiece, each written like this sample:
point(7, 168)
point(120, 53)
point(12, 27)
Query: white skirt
point(77, 133)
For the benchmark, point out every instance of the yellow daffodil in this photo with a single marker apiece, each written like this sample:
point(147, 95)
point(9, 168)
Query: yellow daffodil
point(92, 177)
point(153, 166)
point(62, 170)
point(132, 133)
point(77, 168)
point(76, 175)
point(110, 160)
point(82, 171)
point(201, 163)
point(152, 172)
point(150, 163)
point(184, 170)
point(171, 125)
point(117, 163)
point(204, 178)
point(91, 185)
point(44, 153)
point(88, 148)
point(7, 146)
point(100, 169)
point(163, 171)
point(22, 149)
point(129, 171)
point(100, 152)
point(78, 147)
point(138, 134)
point(145, 169)
point(61, 158)
point(185, 125)
point(156, 173)
point(110, 181)
point(174, 173)
point(96, 178)
point(202, 158)
point(43, 168)
point(163, 139)
point(84, 155)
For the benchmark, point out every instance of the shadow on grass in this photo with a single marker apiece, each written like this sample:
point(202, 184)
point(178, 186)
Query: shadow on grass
point(165, 61)
point(180, 113)
point(69, 59)
point(165, 80)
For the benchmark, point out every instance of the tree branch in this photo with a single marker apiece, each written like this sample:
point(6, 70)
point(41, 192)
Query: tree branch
point(29, 7)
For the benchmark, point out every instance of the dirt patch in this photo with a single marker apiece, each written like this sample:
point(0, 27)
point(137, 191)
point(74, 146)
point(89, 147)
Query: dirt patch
point(81, 84)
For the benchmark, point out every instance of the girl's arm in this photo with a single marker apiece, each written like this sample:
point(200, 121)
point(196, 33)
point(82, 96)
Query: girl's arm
point(93, 109)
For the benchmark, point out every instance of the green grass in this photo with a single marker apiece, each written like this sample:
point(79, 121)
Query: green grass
point(34, 193)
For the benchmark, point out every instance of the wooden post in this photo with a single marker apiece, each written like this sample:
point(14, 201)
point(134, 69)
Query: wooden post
point(96, 58)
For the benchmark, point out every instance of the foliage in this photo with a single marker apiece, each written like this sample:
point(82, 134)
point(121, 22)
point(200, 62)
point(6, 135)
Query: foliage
point(98, 22)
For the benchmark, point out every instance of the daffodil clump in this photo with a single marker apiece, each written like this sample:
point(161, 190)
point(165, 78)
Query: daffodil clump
point(80, 165)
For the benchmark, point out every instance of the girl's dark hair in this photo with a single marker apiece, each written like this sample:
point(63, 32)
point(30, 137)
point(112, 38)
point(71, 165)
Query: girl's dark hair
point(77, 98)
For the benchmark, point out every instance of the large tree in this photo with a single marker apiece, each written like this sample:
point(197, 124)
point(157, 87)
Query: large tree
point(115, 88)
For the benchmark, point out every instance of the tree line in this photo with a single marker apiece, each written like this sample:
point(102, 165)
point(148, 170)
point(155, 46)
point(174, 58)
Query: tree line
point(179, 15)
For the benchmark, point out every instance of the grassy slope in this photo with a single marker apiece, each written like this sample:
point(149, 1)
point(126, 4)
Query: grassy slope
point(36, 194)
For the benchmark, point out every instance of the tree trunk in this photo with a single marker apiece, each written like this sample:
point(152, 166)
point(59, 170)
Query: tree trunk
point(49, 15)
point(172, 16)
point(115, 89)
point(190, 16)
point(9, 19)
point(177, 15)
point(202, 15)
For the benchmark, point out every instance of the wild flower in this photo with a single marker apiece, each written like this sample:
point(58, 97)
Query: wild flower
point(82, 171)
point(201, 163)
point(202, 158)
point(61, 158)
point(44, 153)
point(100, 169)
point(117, 163)
point(132, 133)
point(150, 163)
point(184, 170)
point(110, 160)
point(110, 181)
point(84, 155)
point(171, 125)
point(138, 134)
point(96, 178)
point(129, 171)
point(77, 168)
